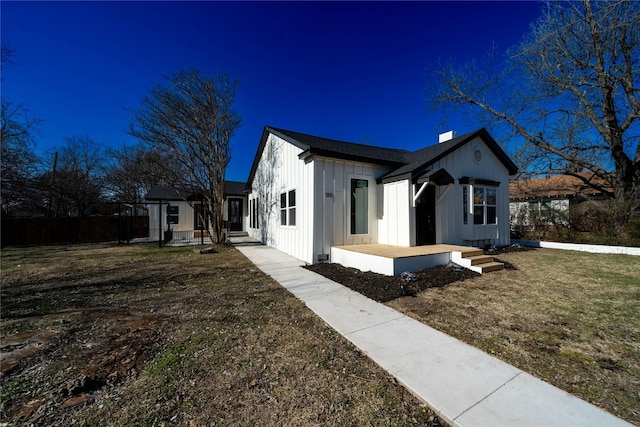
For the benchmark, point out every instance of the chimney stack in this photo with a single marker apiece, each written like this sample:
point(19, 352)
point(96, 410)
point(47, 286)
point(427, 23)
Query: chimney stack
point(444, 137)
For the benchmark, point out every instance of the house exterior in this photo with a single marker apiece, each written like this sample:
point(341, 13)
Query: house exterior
point(180, 212)
point(548, 199)
point(307, 194)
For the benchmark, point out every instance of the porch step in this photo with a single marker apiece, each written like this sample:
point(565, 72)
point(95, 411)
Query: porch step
point(238, 234)
point(479, 259)
point(476, 260)
point(490, 266)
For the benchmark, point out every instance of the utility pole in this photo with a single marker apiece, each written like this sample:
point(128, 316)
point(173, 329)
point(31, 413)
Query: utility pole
point(53, 175)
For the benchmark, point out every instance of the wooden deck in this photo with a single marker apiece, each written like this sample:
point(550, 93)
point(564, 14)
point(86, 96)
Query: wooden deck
point(390, 251)
point(393, 260)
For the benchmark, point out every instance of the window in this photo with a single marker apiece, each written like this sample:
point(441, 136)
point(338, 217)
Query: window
point(253, 213)
point(172, 214)
point(359, 206)
point(484, 205)
point(199, 217)
point(288, 208)
point(465, 204)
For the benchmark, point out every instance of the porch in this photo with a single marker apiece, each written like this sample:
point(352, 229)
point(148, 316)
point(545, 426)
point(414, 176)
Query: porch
point(394, 260)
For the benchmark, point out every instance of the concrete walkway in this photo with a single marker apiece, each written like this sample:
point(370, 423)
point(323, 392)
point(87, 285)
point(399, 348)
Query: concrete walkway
point(463, 385)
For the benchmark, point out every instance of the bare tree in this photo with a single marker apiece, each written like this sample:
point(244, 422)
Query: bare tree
point(134, 170)
point(18, 160)
point(570, 92)
point(191, 120)
point(74, 181)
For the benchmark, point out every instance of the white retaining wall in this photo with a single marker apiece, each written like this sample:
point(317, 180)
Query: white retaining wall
point(596, 249)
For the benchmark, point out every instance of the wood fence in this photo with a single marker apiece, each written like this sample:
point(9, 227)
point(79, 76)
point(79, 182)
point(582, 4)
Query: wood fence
point(47, 231)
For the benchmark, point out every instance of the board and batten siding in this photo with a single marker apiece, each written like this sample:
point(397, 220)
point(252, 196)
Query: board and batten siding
point(333, 200)
point(185, 217)
point(397, 224)
point(449, 212)
point(280, 170)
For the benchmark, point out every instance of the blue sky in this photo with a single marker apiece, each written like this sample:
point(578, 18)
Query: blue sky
point(355, 71)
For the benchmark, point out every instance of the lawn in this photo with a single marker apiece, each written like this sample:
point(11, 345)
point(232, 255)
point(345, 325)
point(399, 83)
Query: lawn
point(569, 318)
point(116, 335)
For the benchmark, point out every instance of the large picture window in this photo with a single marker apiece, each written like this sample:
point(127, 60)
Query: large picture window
point(359, 206)
point(288, 208)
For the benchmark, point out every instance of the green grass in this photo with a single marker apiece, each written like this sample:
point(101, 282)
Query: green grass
point(570, 318)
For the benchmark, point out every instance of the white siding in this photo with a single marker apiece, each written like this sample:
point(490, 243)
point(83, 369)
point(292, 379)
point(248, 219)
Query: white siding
point(449, 223)
point(393, 227)
point(185, 217)
point(333, 199)
point(280, 170)
point(449, 215)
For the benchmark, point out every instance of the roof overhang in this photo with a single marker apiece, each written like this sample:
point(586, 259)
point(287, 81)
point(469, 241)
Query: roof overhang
point(439, 177)
point(478, 181)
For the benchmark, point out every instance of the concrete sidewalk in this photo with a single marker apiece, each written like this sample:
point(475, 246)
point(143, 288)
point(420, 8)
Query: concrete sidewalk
point(463, 385)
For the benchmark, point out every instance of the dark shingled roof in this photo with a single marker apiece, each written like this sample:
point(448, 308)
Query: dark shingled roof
point(342, 149)
point(405, 164)
point(420, 160)
point(159, 192)
point(234, 188)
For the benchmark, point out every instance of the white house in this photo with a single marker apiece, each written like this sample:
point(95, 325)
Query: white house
point(180, 212)
point(307, 194)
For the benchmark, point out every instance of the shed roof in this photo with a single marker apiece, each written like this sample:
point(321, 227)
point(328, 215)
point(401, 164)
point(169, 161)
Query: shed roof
point(161, 192)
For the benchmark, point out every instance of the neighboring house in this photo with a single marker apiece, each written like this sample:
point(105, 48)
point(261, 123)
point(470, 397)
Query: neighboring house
point(548, 199)
point(307, 193)
point(180, 212)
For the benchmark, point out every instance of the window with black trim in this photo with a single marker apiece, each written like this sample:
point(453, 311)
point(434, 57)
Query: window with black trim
point(359, 206)
point(288, 208)
point(199, 217)
point(484, 205)
point(172, 214)
point(253, 213)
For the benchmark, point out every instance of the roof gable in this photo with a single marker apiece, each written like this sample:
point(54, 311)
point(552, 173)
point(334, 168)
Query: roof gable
point(405, 163)
point(420, 160)
point(316, 145)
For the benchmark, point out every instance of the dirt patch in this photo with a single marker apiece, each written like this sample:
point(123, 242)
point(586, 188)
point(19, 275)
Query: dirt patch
point(96, 348)
point(138, 335)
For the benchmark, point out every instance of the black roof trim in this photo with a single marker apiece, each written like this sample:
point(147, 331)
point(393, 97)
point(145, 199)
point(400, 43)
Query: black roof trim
point(161, 192)
point(439, 177)
point(422, 159)
point(479, 181)
point(407, 165)
point(326, 147)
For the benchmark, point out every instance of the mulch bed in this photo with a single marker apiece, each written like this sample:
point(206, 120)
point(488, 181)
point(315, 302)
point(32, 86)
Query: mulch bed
point(382, 288)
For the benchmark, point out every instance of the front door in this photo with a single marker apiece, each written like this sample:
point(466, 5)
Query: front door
point(426, 217)
point(235, 214)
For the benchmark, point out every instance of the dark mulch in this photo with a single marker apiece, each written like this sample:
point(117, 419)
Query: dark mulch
point(383, 288)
